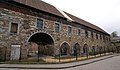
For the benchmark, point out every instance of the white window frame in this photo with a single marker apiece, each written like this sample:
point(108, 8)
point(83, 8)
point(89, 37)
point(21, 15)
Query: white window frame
point(37, 21)
point(59, 26)
point(10, 25)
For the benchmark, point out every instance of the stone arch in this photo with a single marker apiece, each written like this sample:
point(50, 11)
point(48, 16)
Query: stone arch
point(97, 49)
point(102, 49)
point(64, 48)
point(37, 32)
point(76, 49)
point(85, 49)
point(41, 38)
point(93, 50)
point(44, 41)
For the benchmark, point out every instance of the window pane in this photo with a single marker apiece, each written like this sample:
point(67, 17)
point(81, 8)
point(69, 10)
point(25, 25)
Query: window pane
point(69, 30)
point(96, 36)
point(57, 27)
point(78, 31)
point(92, 34)
point(40, 24)
point(14, 28)
point(86, 33)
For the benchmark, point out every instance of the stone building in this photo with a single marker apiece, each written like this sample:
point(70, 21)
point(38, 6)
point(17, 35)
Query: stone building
point(29, 27)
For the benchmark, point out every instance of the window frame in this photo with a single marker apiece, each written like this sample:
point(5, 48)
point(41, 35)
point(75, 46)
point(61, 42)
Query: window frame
point(86, 33)
point(79, 33)
point(59, 27)
point(37, 23)
point(68, 30)
point(10, 26)
point(97, 36)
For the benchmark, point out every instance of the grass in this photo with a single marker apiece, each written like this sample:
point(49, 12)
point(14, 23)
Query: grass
point(54, 60)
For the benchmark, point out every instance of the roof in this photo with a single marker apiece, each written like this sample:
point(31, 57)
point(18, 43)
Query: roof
point(85, 23)
point(38, 4)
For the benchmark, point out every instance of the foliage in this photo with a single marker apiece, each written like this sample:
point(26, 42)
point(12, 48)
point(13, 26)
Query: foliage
point(117, 44)
point(114, 34)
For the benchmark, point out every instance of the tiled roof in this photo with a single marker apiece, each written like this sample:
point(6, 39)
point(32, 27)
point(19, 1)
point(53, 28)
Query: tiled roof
point(85, 23)
point(38, 4)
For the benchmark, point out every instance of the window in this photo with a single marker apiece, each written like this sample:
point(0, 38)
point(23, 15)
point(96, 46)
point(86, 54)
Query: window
point(89, 34)
point(100, 36)
point(0, 29)
point(103, 37)
point(57, 27)
point(92, 34)
point(96, 36)
point(39, 24)
point(79, 32)
point(14, 28)
point(69, 30)
point(86, 33)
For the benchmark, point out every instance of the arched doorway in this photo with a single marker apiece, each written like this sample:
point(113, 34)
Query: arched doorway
point(64, 49)
point(76, 49)
point(85, 50)
point(44, 42)
point(93, 50)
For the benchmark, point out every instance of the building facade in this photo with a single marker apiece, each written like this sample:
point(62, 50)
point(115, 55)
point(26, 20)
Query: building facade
point(29, 27)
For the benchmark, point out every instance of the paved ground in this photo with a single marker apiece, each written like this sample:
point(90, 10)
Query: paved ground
point(107, 64)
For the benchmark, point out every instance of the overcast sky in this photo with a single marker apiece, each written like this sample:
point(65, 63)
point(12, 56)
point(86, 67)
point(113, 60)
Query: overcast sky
point(103, 13)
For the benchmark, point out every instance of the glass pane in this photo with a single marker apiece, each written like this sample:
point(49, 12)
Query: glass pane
point(57, 27)
point(69, 30)
point(78, 31)
point(40, 24)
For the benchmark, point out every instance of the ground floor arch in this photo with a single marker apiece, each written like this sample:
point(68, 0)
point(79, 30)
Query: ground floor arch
point(64, 49)
point(41, 42)
point(76, 49)
point(93, 50)
point(85, 48)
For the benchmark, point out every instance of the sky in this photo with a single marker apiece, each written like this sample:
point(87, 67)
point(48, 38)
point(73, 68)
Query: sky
point(102, 13)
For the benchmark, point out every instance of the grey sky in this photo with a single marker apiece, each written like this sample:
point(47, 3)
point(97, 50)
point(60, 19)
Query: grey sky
point(103, 13)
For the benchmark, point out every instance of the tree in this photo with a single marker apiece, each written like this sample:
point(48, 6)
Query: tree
point(114, 34)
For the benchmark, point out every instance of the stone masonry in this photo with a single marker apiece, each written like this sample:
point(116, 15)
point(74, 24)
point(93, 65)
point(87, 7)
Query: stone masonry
point(27, 28)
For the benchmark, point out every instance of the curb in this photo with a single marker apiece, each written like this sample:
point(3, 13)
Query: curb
point(63, 67)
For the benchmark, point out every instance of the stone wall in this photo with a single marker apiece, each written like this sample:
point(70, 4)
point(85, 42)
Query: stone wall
point(27, 28)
